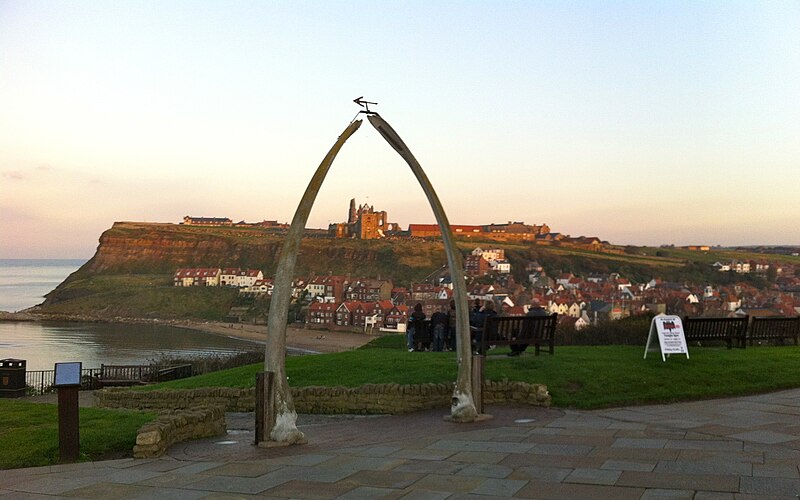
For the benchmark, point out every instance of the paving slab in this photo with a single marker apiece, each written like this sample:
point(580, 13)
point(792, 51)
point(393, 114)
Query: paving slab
point(477, 457)
point(485, 470)
point(771, 486)
point(721, 466)
point(111, 491)
point(560, 491)
point(788, 470)
point(245, 469)
point(309, 490)
point(459, 445)
point(703, 444)
point(429, 495)
point(432, 467)
point(593, 476)
point(707, 482)
point(447, 483)
point(713, 495)
point(541, 473)
point(621, 465)
point(566, 461)
point(664, 493)
point(501, 488)
point(744, 448)
point(764, 436)
point(649, 443)
point(362, 492)
point(384, 479)
point(561, 449)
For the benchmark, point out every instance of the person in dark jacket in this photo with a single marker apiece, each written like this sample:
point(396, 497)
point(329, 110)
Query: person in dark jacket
point(535, 310)
point(439, 330)
point(478, 321)
point(450, 338)
point(416, 318)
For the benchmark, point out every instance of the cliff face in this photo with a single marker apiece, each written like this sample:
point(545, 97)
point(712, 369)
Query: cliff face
point(149, 248)
point(131, 247)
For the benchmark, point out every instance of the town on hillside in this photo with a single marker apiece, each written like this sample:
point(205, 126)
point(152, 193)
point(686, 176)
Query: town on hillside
point(366, 223)
point(345, 302)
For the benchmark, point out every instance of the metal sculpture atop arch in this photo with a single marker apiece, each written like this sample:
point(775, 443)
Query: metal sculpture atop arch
point(283, 416)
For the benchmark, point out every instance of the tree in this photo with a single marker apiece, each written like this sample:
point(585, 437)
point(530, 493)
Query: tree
point(772, 273)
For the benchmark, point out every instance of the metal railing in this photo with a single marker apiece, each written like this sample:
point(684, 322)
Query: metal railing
point(40, 382)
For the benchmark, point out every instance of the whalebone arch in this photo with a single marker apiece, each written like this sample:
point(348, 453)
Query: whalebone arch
point(282, 418)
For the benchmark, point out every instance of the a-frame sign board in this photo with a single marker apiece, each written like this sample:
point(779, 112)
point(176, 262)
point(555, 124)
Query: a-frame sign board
point(671, 340)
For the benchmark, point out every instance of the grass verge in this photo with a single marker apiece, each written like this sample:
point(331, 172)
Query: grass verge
point(577, 376)
point(29, 433)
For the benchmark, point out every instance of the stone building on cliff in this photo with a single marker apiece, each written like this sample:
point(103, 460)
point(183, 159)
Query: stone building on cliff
point(363, 223)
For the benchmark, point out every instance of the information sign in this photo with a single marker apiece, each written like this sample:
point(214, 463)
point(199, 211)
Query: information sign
point(671, 340)
point(68, 374)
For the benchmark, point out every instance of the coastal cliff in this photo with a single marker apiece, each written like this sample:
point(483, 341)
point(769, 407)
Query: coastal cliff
point(143, 256)
point(152, 248)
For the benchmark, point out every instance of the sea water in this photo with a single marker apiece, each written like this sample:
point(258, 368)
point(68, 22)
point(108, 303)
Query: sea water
point(44, 343)
point(23, 284)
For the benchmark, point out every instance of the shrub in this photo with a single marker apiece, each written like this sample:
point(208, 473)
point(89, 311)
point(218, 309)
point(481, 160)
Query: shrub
point(628, 331)
point(211, 363)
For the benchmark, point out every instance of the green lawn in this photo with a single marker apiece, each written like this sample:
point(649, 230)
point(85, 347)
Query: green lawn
point(29, 433)
point(577, 377)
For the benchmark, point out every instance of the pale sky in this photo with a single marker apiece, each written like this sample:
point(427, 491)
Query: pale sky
point(639, 122)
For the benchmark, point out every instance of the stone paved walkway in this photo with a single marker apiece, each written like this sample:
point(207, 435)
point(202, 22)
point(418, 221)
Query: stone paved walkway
point(746, 447)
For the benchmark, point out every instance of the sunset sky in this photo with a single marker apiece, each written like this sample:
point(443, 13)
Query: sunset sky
point(639, 122)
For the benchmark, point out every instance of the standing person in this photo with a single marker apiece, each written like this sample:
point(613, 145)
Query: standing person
point(416, 318)
point(535, 310)
point(438, 327)
point(477, 307)
point(451, 338)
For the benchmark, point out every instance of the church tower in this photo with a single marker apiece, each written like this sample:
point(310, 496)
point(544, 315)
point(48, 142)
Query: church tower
point(351, 218)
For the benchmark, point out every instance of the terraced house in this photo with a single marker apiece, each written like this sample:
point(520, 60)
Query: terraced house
point(198, 276)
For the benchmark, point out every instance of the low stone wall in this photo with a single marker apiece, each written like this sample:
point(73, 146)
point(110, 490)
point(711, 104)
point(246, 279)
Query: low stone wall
point(366, 399)
point(153, 438)
point(228, 398)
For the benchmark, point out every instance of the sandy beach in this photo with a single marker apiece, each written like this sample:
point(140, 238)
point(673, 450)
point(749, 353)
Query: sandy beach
point(313, 341)
point(316, 341)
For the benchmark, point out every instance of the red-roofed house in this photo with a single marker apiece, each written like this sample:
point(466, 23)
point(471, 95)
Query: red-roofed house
point(344, 313)
point(320, 314)
point(397, 318)
point(198, 276)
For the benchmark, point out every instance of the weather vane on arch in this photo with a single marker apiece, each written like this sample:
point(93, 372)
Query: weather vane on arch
point(365, 105)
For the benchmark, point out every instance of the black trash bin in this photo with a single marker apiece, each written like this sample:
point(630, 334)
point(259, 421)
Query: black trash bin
point(12, 378)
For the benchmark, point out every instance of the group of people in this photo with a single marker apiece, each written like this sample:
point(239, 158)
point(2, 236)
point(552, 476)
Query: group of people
point(443, 327)
point(443, 330)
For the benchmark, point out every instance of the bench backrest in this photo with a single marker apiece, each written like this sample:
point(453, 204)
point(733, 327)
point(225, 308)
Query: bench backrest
point(127, 372)
point(775, 327)
point(714, 328)
point(521, 328)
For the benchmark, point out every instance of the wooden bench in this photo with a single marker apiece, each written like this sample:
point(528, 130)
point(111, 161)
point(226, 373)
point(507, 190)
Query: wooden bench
point(124, 375)
point(778, 328)
point(531, 330)
point(732, 331)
